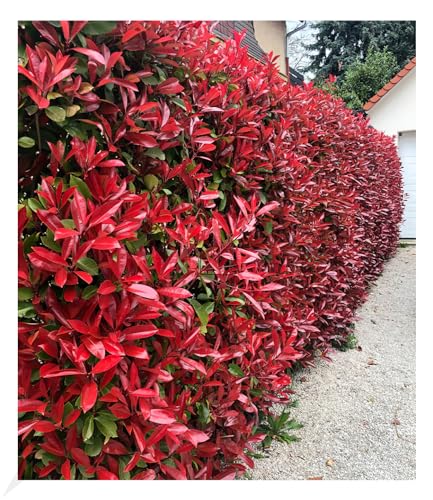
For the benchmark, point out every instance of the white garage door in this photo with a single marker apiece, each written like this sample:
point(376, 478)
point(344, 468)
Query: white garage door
point(407, 149)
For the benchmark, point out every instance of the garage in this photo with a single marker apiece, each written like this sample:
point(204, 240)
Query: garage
point(407, 150)
point(392, 110)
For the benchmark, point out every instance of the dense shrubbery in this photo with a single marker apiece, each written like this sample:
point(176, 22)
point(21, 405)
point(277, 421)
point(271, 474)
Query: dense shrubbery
point(190, 226)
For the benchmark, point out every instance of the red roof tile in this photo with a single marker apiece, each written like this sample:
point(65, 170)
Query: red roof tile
point(391, 84)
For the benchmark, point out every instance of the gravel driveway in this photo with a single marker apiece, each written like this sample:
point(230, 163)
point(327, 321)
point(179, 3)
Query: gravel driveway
point(359, 411)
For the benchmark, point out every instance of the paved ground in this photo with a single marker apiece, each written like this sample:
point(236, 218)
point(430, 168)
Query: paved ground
point(359, 411)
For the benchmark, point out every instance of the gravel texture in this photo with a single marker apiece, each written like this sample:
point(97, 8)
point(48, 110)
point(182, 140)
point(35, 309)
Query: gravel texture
point(359, 411)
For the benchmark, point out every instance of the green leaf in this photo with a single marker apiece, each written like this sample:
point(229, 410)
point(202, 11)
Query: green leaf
point(34, 204)
point(150, 181)
point(76, 130)
point(203, 311)
point(26, 142)
point(93, 446)
point(150, 80)
point(268, 227)
point(72, 110)
point(89, 265)
point(88, 427)
point(240, 300)
point(236, 370)
point(53, 95)
point(31, 110)
point(107, 428)
point(67, 410)
point(179, 102)
point(89, 292)
point(123, 461)
point(203, 413)
point(26, 310)
point(82, 39)
point(107, 415)
point(55, 113)
point(49, 242)
point(155, 153)
point(99, 27)
point(81, 186)
point(68, 223)
point(25, 293)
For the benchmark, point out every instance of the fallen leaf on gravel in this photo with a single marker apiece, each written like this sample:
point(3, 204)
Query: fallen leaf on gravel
point(396, 421)
point(315, 478)
point(372, 361)
point(330, 462)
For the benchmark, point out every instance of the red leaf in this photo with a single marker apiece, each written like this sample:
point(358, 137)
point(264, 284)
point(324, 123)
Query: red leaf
point(80, 457)
point(246, 275)
point(61, 277)
point(120, 83)
point(49, 256)
point(106, 364)
point(91, 54)
point(195, 437)
point(95, 347)
point(144, 393)
point(89, 394)
point(191, 365)
point(114, 447)
point(105, 243)
point(31, 405)
point(104, 212)
point(144, 291)
point(65, 469)
point(136, 352)
point(81, 327)
point(148, 475)
point(255, 304)
point(79, 211)
point(270, 287)
point(72, 417)
point(174, 292)
point(86, 277)
point(162, 416)
point(140, 332)
point(44, 426)
point(111, 163)
point(135, 29)
point(209, 195)
point(62, 233)
point(144, 140)
point(173, 472)
point(106, 288)
point(132, 463)
point(169, 86)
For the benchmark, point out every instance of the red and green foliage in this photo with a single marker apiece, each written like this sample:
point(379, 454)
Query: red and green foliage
point(190, 227)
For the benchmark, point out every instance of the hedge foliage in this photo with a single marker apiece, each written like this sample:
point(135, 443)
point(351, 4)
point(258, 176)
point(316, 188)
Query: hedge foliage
point(190, 227)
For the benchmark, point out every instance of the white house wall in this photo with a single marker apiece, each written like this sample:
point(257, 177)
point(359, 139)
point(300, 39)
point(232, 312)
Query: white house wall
point(395, 112)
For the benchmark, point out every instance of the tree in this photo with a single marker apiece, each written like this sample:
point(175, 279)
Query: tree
point(361, 80)
point(339, 44)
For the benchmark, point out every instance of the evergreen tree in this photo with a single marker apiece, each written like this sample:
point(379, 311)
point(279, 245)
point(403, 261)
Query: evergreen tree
point(340, 43)
point(362, 80)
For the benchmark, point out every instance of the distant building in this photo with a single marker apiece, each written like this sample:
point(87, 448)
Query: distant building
point(392, 110)
point(262, 37)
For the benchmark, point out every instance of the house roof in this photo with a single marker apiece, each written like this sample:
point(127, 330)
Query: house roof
point(390, 85)
point(225, 30)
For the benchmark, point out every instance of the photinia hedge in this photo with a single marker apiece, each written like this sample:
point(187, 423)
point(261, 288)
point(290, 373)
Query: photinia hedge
point(191, 226)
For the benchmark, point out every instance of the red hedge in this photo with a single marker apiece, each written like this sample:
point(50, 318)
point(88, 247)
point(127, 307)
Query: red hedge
point(191, 226)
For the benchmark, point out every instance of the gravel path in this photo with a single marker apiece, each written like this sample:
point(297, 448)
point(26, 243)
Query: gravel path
point(359, 411)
